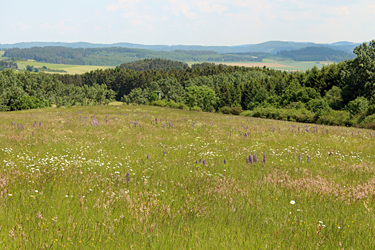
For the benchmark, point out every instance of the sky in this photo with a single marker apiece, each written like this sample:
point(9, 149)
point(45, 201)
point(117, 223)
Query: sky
point(187, 22)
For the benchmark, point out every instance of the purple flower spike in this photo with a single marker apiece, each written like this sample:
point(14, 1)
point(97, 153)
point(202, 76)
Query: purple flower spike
point(225, 161)
point(308, 159)
point(250, 159)
point(128, 178)
point(264, 159)
point(204, 162)
point(200, 160)
point(164, 152)
point(196, 162)
point(299, 158)
point(255, 159)
point(148, 157)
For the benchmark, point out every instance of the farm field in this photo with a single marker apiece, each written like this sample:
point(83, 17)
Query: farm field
point(70, 69)
point(143, 177)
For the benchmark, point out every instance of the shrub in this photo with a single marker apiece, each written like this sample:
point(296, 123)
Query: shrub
point(236, 110)
point(335, 118)
point(196, 108)
point(225, 110)
point(31, 102)
point(357, 106)
point(173, 104)
point(183, 106)
point(160, 103)
point(319, 106)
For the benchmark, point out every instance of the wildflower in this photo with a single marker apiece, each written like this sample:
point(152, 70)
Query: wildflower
point(128, 178)
point(299, 158)
point(39, 215)
point(225, 161)
point(308, 158)
point(255, 159)
point(164, 152)
point(250, 159)
point(148, 157)
point(264, 159)
point(204, 162)
point(292, 202)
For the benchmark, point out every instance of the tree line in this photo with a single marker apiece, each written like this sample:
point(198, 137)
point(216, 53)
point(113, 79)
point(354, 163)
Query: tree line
point(317, 54)
point(341, 93)
point(25, 90)
point(117, 55)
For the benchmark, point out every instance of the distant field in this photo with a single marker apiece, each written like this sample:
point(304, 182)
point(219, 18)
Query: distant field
point(70, 69)
point(2, 53)
point(280, 65)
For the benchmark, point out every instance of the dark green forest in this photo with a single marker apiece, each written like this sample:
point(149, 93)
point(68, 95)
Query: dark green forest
point(317, 54)
point(116, 55)
point(338, 94)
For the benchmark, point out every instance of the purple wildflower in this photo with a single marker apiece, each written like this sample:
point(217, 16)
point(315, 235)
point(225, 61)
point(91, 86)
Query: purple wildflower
point(225, 161)
point(204, 162)
point(264, 159)
point(148, 157)
point(308, 159)
point(330, 153)
point(255, 159)
point(164, 152)
point(200, 160)
point(299, 158)
point(250, 159)
point(196, 162)
point(128, 178)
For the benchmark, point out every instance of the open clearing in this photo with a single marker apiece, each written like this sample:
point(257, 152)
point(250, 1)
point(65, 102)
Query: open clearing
point(70, 69)
point(143, 177)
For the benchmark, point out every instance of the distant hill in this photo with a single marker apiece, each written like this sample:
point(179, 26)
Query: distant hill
point(270, 47)
point(317, 54)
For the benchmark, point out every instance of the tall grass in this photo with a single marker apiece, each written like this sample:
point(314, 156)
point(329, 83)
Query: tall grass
point(132, 177)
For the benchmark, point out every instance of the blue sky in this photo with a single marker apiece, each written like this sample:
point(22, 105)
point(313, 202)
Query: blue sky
point(188, 22)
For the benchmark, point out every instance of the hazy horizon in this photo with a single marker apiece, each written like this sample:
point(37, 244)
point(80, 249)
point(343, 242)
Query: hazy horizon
point(187, 22)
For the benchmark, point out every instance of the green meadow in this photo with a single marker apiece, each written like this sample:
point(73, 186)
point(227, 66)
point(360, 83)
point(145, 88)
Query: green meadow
point(1, 53)
point(143, 177)
point(70, 69)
